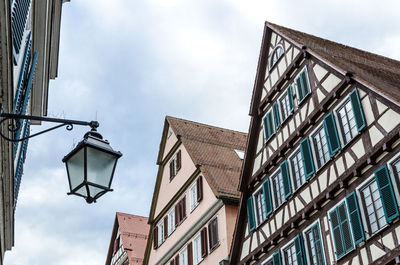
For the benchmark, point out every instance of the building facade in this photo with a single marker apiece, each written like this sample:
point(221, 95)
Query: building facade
point(195, 198)
point(128, 240)
point(320, 180)
point(29, 44)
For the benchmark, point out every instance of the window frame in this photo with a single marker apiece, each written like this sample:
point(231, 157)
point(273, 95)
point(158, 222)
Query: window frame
point(272, 66)
point(291, 170)
point(284, 248)
point(395, 178)
point(185, 258)
point(217, 243)
point(313, 146)
point(285, 94)
point(193, 201)
point(363, 213)
point(273, 193)
point(160, 232)
point(171, 223)
point(200, 258)
point(308, 228)
point(304, 69)
point(338, 121)
point(259, 189)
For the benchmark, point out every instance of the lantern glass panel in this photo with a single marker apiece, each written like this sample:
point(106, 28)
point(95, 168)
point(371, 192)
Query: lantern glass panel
point(82, 191)
point(76, 169)
point(100, 167)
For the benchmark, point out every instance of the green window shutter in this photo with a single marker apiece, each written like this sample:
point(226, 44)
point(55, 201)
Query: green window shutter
point(306, 155)
point(286, 179)
point(341, 230)
point(276, 114)
point(387, 194)
point(250, 214)
point(290, 97)
point(331, 134)
point(300, 94)
point(267, 197)
point(268, 125)
point(300, 251)
point(303, 86)
point(276, 258)
point(355, 218)
point(357, 110)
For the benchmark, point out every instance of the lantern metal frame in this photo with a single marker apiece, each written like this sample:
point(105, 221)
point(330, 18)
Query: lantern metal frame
point(15, 123)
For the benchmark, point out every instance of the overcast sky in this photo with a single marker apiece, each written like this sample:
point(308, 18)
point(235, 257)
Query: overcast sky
point(128, 63)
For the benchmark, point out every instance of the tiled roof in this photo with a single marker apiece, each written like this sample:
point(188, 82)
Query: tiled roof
point(134, 232)
point(213, 149)
point(381, 72)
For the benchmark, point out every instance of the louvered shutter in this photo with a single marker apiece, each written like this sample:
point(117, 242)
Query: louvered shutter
point(276, 258)
point(332, 136)
point(177, 217)
point(171, 170)
point(277, 118)
point(250, 214)
point(268, 125)
point(267, 197)
point(345, 228)
point(337, 238)
point(286, 179)
point(300, 251)
point(387, 194)
point(183, 207)
point(155, 237)
point(190, 253)
point(290, 97)
point(357, 110)
point(199, 186)
point(341, 230)
point(177, 259)
point(204, 246)
point(165, 227)
point(300, 94)
point(306, 155)
point(355, 218)
point(178, 160)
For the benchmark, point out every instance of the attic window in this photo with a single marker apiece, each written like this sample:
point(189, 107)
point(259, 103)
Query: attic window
point(240, 153)
point(276, 54)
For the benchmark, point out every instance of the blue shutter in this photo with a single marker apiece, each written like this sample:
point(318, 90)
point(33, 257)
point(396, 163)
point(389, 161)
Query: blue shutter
point(387, 194)
point(306, 155)
point(357, 110)
point(300, 251)
point(286, 179)
point(276, 114)
point(355, 218)
point(332, 136)
point(19, 15)
point(276, 258)
point(250, 214)
point(290, 97)
point(23, 74)
point(267, 197)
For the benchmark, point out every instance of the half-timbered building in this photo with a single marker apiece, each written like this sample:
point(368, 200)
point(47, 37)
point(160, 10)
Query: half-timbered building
point(195, 199)
point(128, 240)
point(321, 175)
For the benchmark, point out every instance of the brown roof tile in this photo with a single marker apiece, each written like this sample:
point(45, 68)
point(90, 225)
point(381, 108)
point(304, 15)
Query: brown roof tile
point(213, 149)
point(134, 231)
point(381, 72)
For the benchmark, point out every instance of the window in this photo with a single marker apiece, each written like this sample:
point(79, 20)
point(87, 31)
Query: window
point(289, 254)
point(347, 121)
point(296, 164)
point(302, 84)
point(160, 233)
point(213, 233)
point(277, 184)
point(396, 168)
point(260, 206)
point(175, 165)
point(321, 149)
point(372, 203)
point(276, 54)
point(193, 197)
point(314, 245)
point(239, 153)
point(268, 124)
point(171, 221)
point(183, 257)
point(197, 257)
point(286, 103)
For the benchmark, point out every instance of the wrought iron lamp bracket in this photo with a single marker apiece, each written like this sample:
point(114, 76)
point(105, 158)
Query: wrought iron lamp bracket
point(15, 124)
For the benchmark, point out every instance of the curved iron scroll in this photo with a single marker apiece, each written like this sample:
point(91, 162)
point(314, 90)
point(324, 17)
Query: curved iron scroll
point(16, 124)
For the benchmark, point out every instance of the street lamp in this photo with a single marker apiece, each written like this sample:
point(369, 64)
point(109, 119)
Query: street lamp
point(90, 165)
